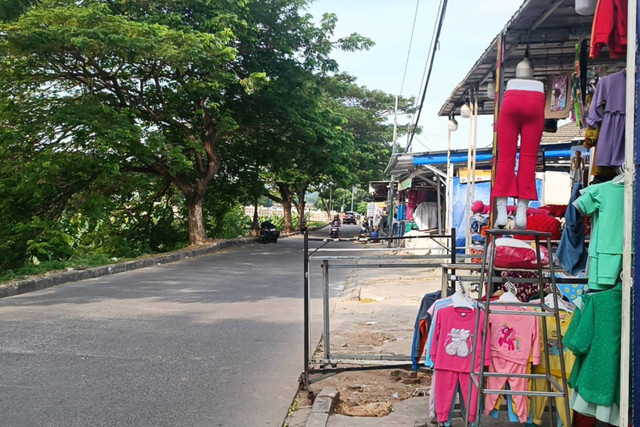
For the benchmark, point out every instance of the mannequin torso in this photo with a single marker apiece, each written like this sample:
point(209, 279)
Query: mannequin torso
point(525, 84)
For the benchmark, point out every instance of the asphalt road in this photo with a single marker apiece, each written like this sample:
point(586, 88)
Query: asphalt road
point(209, 341)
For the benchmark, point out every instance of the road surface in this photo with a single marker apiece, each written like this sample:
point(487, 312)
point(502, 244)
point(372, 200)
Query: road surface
point(209, 341)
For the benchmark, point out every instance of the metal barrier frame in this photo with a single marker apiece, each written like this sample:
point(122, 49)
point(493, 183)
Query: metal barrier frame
point(329, 365)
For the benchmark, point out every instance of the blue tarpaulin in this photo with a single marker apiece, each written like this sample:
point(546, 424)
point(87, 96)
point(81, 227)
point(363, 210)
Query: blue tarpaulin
point(482, 192)
point(481, 156)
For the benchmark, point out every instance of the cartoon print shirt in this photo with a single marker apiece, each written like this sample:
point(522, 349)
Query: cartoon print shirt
point(514, 337)
point(453, 340)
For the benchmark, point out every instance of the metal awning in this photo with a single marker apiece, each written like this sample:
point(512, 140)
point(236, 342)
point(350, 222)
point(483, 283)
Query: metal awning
point(550, 28)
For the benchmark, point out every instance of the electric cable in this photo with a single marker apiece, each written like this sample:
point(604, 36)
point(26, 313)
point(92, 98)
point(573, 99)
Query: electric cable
point(432, 52)
point(406, 64)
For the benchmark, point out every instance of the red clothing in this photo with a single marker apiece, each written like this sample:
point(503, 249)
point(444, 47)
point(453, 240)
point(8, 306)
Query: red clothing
point(522, 113)
point(609, 28)
point(545, 223)
point(556, 210)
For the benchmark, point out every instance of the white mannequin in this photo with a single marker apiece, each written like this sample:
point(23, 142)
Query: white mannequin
point(523, 81)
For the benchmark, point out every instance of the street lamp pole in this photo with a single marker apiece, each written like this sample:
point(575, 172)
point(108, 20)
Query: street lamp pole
point(352, 191)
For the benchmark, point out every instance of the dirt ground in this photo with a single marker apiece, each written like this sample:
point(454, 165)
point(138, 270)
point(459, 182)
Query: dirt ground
point(371, 393)
point(375, 316)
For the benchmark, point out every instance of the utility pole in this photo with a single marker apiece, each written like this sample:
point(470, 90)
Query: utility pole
point(392, 183)
point(353, 187)
point(330, 199)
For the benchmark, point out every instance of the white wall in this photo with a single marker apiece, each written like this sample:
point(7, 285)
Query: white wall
point(556, 188)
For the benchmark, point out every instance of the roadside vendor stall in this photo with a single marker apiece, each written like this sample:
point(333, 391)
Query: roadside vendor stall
point(423, 171)
point(577, 64)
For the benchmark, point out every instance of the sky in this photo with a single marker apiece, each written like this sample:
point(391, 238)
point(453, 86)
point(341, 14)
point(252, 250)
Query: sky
point(469, 26)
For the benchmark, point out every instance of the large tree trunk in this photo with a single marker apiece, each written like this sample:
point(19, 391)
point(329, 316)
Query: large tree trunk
point(288, 223)
point(286, 199)
point(326, 205)
point(300, 206)
point(255, 225)
point(301, 220)
point(197, 233)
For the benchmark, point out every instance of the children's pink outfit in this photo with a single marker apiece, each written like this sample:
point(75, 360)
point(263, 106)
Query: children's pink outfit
point(515, 342)
point(451, 353)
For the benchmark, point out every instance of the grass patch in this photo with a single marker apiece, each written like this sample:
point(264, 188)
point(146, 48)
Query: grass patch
point(77, 263)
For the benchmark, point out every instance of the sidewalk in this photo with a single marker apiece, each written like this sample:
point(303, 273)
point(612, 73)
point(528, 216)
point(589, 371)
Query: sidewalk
point(375, 315)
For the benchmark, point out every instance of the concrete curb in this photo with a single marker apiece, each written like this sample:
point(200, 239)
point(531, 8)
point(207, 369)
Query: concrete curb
point(322, 407)
point(43, 282)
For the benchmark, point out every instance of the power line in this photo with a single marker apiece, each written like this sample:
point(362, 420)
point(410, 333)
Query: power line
point(432, 53)
point(413, 28)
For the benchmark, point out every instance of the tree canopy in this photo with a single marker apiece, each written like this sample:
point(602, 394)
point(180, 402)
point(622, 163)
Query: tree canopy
point(129, 120)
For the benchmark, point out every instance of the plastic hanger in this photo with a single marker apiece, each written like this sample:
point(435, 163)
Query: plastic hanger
point(619, 179)
point(548, 300)
point(461, 298)
point(510, 295)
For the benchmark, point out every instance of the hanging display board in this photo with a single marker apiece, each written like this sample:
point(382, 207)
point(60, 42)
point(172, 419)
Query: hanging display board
point(558, 103)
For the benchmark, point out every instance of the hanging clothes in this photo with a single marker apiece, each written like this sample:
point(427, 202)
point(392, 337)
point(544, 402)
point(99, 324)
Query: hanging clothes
point(402, 211)
point(608, 110)
point(572, 252)
point(452, 353)
point(605, 203)
point(609, 28)
point(426, 216)
point(586, 413)
point(421, 328)
point(594, 337)
point(538, 402)
point(515, 340)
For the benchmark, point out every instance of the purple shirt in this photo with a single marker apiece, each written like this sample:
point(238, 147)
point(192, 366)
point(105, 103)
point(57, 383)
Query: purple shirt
point(611, 117)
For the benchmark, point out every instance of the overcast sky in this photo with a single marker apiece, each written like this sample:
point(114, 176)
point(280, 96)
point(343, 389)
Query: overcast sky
point(469, 27)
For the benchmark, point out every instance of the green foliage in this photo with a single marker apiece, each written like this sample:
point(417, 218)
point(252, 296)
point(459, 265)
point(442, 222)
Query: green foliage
point(78, 262)
point(234, 223)
point(278, 221)
point(119, 117)
point(12, 9)
point(362, 207)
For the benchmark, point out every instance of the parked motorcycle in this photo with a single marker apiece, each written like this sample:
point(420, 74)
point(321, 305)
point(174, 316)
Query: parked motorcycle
point(334, 230)
point(268, 232)
point(364, 230)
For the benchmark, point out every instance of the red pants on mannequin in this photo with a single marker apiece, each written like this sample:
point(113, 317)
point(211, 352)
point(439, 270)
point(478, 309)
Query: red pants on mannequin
point(521, 113)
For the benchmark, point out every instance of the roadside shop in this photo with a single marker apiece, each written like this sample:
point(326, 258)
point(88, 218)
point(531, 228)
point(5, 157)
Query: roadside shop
point(421, 176)
point(572, 59)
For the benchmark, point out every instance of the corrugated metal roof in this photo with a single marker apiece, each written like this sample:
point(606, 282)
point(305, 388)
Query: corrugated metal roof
point(565, 133)
point(550, 28)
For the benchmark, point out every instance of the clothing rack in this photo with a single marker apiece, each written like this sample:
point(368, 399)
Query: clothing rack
point(486, 307)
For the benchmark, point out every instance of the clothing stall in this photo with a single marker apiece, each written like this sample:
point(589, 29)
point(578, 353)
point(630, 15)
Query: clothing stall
point(583, 71)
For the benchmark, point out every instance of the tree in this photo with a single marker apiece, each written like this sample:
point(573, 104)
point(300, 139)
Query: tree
point(152, 87)
point(12, 9)
point(314, 149)
point(368, 114)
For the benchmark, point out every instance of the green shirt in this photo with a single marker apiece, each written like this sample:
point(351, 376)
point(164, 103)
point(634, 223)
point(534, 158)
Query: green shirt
point(605, 204)
point(594, 337)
